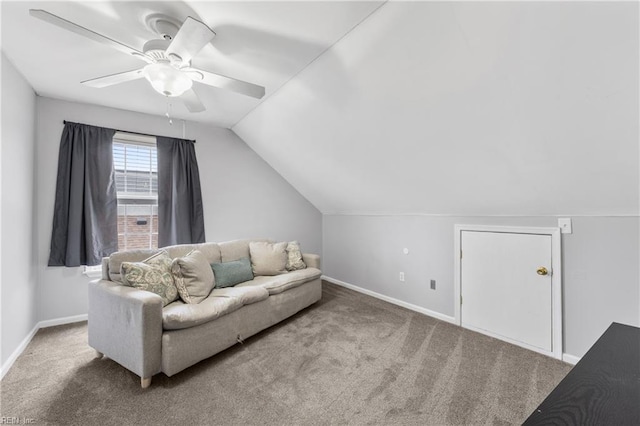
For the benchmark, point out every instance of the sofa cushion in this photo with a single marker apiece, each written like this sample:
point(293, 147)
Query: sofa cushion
point(279, 283)
point(179, 315)
point(236, 249)
point(247, 295)
point(210, 250)
point(268, 258)
point(228, 274)
point(193, 276)
point(294, 257)
point(221, 301)
point(152, 274)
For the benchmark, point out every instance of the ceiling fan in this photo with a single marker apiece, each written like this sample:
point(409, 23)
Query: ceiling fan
point(168, 59)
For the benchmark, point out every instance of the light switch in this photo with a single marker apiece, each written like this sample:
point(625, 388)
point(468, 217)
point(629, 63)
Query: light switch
point(564, 223)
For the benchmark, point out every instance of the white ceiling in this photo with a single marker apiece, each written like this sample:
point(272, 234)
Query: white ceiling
point(265, 43)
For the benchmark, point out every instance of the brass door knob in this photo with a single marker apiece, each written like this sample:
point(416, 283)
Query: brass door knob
point(542, 271)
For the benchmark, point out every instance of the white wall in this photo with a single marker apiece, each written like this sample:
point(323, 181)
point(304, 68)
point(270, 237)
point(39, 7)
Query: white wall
point(601, 276)
point(17, 258)
point(242, 195)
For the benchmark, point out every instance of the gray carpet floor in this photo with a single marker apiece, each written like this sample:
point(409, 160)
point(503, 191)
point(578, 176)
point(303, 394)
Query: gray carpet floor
point(350, 359)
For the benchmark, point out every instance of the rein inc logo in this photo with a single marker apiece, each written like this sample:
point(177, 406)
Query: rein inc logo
point(17, 421)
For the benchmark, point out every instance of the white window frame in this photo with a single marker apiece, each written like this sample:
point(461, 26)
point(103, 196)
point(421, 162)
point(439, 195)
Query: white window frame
point(93, 271)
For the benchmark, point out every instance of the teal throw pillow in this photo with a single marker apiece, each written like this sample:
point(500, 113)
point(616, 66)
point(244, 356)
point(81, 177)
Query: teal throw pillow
point(231, 273)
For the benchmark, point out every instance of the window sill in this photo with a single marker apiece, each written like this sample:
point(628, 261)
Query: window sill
point(93, 271)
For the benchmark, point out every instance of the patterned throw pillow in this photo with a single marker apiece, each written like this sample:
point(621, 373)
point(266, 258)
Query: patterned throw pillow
point(294, 257)
point(152, 274)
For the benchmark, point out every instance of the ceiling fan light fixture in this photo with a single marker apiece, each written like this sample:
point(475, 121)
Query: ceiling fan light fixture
point(167, 80)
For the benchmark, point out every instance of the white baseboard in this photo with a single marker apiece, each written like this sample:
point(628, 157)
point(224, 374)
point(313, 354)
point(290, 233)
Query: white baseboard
point(409, 306)
point(570, 359)
point(61, 321)
point(23, 345)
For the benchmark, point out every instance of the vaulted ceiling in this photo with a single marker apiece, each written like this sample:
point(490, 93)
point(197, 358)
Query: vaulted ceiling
point(465, 108)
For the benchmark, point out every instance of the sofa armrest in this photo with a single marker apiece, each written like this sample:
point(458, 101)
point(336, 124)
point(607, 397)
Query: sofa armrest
point(311, 260)
point(125, 324)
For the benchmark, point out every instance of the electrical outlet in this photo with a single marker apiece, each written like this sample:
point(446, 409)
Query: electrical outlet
point(402, 276)
point(433, 284)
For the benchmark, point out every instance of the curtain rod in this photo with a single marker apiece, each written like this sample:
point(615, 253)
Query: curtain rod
point(128, 131)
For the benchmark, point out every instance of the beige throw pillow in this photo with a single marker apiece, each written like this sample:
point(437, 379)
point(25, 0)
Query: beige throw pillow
point(193, 276)
point(268, 258)
point(152, 274)
point(294, 257)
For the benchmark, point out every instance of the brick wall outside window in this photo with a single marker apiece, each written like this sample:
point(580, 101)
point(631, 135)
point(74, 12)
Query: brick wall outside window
point(137, 236)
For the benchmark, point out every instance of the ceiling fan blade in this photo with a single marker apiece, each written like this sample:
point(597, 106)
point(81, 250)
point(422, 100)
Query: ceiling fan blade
point(70, 26)
point(192, 36)
point(223, 82)
point(110, 80)
point(192, 101)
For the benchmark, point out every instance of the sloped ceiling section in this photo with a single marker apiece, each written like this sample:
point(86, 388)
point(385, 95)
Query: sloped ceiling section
point(480, 108)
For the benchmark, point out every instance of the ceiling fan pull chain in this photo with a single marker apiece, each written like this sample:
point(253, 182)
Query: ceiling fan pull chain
point(168, 114)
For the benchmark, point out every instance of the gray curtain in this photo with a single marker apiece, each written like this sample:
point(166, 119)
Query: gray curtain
point(180, 217)
point(85, 227)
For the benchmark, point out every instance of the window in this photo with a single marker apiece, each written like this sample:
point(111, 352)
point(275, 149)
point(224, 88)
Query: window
point(135, 159)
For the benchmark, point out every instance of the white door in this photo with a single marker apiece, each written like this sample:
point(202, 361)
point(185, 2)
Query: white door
point(505, 284)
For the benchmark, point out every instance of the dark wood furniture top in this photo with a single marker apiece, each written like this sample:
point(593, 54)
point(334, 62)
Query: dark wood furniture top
point(603, 388)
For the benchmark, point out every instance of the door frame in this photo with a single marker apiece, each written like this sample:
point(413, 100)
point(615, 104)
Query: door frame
point(556, 277)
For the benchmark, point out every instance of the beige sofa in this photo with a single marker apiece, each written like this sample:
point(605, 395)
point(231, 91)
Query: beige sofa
point(131, 327)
